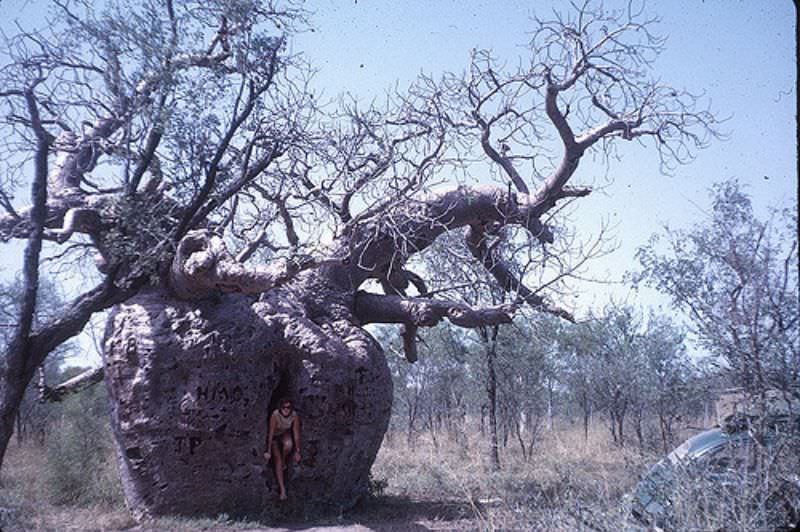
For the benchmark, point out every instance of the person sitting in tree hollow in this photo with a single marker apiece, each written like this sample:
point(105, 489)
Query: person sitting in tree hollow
point(282, 437)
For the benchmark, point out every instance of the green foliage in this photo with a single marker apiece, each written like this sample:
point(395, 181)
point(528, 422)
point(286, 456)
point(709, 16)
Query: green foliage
point(142, 224)
point(81, 466)
point(635, 370)
point(632, 369)
point(435, 390)
point(736, 278)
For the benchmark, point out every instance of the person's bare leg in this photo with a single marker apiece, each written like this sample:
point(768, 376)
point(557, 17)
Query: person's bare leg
point(288, 445)
point(278, 459)
point(286, 449)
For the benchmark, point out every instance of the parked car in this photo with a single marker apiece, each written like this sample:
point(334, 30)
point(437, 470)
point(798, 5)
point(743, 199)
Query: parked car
point(729, 474)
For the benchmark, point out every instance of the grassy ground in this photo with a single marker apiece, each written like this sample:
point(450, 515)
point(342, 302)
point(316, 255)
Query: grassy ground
point(568, 484)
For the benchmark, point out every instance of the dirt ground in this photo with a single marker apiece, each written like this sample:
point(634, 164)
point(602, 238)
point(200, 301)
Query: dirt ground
point(387, 514)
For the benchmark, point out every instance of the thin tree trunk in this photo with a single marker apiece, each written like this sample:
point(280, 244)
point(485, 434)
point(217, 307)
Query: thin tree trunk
point(587, 413)
point(663, 425)
point(521, 441)
point(27, 352)
point(19, 369)
point(506, 424)
point(491, 395)
point(533, 433)
point(9, 405)
point(613, 426)
point(620, 428)
point(639, 429)
point(412, 416)
point(432, 428)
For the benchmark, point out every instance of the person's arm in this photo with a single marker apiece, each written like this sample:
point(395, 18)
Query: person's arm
point(270, 434)
point(296, 433)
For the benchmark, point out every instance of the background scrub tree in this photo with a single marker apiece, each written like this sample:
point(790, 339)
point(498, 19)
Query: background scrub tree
point(178, 146)
point(735, 276)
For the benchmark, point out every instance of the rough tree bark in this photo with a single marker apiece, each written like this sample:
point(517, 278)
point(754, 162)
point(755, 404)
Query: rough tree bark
point(192, 383)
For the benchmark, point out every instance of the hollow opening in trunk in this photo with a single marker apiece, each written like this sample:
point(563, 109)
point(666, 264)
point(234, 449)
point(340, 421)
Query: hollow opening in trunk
point(280, 392)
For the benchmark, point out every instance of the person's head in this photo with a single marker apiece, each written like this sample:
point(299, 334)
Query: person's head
point(285, 406)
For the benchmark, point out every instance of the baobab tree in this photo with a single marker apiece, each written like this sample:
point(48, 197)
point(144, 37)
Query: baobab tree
point(240, 230)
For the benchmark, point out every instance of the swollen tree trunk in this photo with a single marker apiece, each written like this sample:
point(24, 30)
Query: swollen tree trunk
point(194, 367)
point(193, 383)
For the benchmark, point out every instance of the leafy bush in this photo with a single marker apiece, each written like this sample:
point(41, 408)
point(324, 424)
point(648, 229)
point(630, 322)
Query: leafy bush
point(82, 468)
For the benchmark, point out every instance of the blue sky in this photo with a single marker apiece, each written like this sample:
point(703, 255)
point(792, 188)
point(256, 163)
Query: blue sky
point(740, 53)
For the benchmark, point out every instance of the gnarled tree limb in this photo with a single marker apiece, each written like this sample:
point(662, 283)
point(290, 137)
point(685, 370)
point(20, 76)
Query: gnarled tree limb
point(423, 312)
point(203, 266)
point(76, 384)
point(478, 246)
point(415, 312)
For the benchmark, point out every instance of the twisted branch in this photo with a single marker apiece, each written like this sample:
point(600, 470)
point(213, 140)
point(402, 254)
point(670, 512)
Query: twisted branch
point(415, 312)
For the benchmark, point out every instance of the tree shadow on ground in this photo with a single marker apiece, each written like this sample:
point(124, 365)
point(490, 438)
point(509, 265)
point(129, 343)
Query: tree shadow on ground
point(400, 510)
point(394, 514)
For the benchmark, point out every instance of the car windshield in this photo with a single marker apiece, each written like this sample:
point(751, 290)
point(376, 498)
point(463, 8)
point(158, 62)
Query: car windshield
point(698, 445)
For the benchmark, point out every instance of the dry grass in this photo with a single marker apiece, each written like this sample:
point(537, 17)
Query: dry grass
point(29, 501)
point(567, 483)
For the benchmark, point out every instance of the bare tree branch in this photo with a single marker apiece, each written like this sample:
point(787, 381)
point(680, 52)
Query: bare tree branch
point(71, 386)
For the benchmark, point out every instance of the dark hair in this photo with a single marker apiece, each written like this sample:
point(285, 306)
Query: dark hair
point(283, 401)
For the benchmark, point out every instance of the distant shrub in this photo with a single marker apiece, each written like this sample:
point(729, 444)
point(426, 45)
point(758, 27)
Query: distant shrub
point(82, 468)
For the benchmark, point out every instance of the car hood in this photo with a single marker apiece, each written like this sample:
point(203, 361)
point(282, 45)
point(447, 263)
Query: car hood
point(651, 498)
